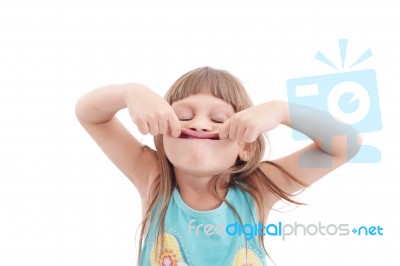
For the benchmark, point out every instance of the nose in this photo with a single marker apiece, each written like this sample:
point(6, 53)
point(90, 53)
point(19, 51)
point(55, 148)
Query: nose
point(199, 123)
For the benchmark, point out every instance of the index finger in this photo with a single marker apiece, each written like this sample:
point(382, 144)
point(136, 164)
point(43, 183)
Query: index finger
point(174, 126)
point(224, 129)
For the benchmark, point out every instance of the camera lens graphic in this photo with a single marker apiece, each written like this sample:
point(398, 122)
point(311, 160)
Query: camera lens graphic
point(349, 102)
point(350, 97)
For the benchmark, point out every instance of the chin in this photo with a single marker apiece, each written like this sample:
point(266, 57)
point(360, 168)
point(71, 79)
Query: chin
point(200, 164)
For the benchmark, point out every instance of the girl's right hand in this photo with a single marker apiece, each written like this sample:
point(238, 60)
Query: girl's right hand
point(151, 113)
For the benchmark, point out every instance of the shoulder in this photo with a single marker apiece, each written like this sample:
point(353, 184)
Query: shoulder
point(270, 183)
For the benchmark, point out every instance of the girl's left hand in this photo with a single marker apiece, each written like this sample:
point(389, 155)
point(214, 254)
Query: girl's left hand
point(245, 126)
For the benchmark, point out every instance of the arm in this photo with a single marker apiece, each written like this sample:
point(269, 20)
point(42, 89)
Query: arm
point(333, 144)
point(96, 112)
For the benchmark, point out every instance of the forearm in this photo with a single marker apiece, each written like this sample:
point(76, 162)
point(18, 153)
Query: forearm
point(101, 104)
point(331, 136)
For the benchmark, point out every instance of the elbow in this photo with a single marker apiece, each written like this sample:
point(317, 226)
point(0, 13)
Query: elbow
point(353, 146)
point(346, 147)
point(83, 111)
point(78, 110)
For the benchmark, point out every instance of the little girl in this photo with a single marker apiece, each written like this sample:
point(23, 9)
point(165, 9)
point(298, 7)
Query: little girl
point(207, 171)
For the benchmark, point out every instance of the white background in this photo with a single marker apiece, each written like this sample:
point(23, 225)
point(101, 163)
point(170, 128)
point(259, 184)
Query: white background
point(63, 203)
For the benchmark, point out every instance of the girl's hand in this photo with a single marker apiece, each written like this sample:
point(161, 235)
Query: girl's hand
point(246, 125)
point(151, 113)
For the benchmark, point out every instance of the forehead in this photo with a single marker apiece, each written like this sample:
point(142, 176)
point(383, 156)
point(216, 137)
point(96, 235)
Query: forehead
point(202, 100)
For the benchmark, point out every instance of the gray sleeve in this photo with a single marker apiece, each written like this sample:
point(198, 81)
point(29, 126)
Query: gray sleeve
point(318, 124)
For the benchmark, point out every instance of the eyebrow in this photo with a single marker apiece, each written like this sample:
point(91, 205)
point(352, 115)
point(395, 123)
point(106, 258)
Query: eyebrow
point(214, 105)
point(224, 110)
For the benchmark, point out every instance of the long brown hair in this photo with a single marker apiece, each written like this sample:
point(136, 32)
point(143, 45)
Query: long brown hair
point(245, 175)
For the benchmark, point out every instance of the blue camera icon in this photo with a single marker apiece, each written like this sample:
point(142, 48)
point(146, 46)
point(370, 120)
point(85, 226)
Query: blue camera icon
point(351, 97)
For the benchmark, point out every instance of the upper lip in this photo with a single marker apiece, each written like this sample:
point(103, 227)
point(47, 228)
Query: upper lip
point(188, 133)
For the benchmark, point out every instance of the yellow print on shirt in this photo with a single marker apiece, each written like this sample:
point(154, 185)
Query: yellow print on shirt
point(250, 260)
point(171, 254)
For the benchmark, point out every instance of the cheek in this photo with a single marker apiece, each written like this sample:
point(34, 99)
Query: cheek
point(168, 147)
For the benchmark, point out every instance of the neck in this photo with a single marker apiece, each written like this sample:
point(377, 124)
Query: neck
point(195, 192)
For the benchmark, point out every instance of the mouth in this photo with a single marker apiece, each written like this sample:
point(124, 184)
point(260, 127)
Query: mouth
point(190, 134)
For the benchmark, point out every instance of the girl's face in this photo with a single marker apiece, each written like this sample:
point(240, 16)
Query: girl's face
point(199, 151)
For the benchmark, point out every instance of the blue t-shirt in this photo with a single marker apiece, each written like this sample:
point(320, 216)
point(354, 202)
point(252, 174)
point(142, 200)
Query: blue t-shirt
point(207, 238)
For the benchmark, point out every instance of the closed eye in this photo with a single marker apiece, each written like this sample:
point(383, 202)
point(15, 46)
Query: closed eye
point(217, 121)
